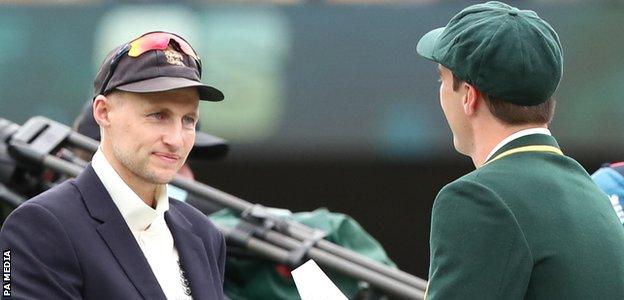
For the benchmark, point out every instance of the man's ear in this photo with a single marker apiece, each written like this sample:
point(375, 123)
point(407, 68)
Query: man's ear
point(471, 98)
point(101, 110)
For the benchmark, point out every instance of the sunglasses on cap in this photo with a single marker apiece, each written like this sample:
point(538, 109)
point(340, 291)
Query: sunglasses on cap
point(156, 40)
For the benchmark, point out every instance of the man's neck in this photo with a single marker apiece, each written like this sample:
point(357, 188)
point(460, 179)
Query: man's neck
point(490, 136)
point(145, 190)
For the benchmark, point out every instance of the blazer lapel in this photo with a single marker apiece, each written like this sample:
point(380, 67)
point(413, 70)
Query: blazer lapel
point(117, 236)
point(192, 253)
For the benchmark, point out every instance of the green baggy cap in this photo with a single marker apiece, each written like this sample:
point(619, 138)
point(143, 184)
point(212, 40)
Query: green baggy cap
point(504, 52)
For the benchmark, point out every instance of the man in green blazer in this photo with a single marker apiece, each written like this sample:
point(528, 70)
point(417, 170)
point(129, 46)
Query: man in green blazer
point(528, 223)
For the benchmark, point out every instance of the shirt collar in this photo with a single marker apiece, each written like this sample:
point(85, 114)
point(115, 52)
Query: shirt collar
point(138, 215)
point(516, 135)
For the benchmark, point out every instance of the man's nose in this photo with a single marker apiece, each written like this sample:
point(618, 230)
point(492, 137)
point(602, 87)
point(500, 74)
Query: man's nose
point(173, 136)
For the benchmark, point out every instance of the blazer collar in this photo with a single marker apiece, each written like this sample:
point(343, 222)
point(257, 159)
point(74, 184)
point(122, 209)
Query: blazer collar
point(193, 257)
point(117, 235)
point(527, 140)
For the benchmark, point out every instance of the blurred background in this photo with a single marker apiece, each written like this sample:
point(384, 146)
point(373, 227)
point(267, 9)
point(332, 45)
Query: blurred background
point(327, 104)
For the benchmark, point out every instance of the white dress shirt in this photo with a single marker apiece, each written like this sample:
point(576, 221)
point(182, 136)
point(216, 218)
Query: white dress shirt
point(148, 227)
point(519, 134)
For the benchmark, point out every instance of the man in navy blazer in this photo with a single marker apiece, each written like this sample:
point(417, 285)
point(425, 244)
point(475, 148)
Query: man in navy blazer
point(112, 233)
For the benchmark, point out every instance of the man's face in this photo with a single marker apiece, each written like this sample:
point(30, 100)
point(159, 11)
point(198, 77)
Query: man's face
point(451, 102)
point(151, 134)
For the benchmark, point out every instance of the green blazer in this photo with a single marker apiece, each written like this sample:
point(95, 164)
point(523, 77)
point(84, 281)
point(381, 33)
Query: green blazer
point(529, 225)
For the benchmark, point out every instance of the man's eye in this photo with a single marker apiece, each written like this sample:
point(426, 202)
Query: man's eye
point(189, 120)
point(157, 116)
point(439, 79)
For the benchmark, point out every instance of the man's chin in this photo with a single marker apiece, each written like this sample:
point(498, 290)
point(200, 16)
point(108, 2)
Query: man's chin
point(162, 177)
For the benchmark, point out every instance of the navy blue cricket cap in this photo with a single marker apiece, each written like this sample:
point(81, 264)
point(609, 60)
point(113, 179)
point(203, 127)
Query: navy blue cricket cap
point(153, 70)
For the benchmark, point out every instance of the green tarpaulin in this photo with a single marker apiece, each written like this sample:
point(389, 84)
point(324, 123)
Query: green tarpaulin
point(261, 279)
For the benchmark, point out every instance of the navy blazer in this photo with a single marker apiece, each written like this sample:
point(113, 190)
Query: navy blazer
point(71, 242)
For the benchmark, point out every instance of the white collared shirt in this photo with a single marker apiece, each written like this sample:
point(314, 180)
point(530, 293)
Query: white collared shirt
point(148, 227)
point(519, 134)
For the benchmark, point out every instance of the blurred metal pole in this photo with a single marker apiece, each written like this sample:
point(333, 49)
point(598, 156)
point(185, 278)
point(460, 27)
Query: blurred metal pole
point(9, 197)
point(363, 260)
point(299, 231)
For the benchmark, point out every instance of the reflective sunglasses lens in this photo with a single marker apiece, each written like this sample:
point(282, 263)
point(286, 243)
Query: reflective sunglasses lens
point(158, 41)
point(154, 41)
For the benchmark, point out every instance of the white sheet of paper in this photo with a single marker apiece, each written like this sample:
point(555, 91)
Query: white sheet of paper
point(313, 284)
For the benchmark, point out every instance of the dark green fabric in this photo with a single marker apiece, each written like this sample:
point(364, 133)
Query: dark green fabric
point(504, 52)
point(531, 225)
point(258, 279)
